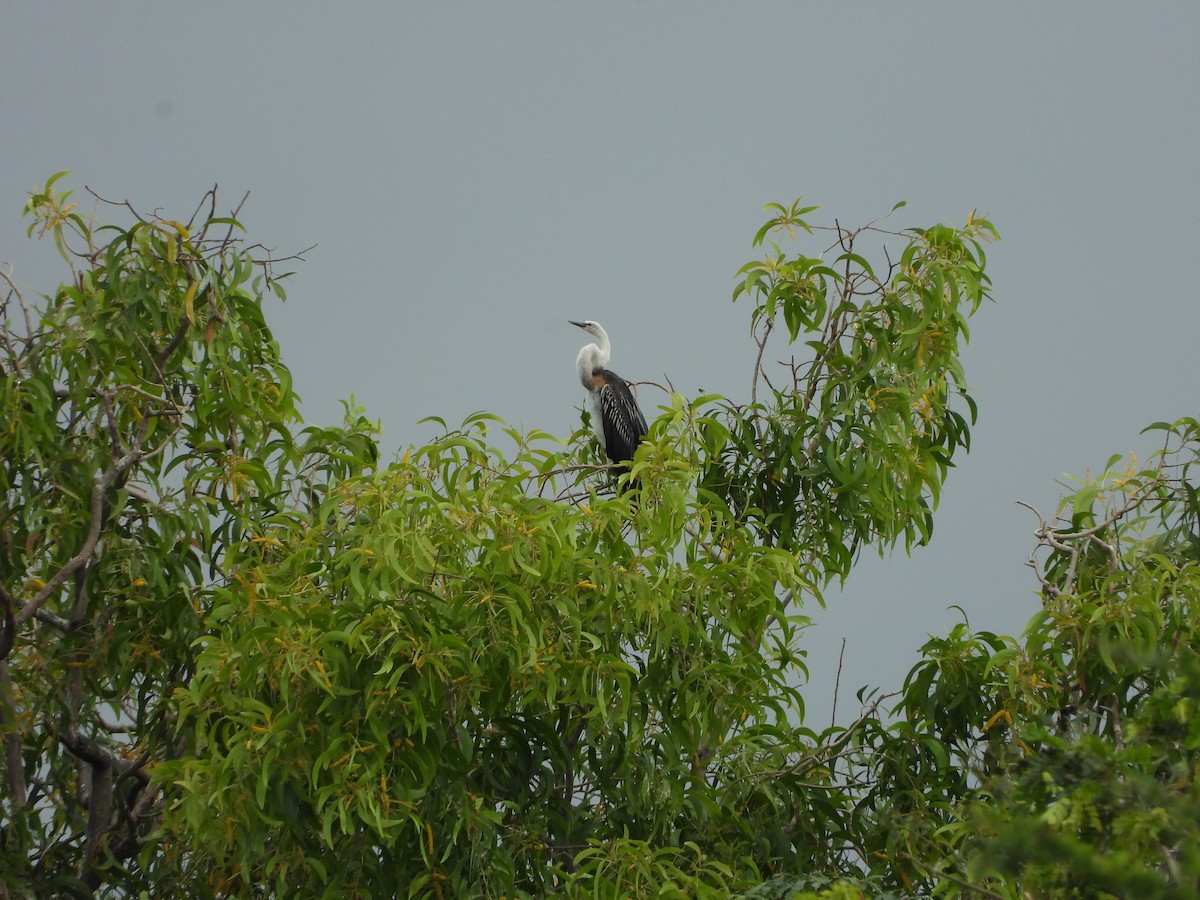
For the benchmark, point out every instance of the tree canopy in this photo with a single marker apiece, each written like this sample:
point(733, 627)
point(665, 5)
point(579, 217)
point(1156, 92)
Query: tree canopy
point(242, 656)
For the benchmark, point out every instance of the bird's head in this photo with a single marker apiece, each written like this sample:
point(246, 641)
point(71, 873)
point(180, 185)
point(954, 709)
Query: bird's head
point(589, 326)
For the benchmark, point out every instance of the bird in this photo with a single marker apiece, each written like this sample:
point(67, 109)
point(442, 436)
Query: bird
point(616, 419)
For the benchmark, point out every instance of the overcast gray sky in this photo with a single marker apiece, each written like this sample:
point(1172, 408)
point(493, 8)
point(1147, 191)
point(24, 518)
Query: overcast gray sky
point(475, 174)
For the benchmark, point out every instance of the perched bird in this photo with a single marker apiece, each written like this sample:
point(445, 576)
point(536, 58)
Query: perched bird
point(616, 418)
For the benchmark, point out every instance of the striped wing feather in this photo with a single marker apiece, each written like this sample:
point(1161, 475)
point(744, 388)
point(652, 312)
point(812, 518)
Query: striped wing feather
point(624, 424)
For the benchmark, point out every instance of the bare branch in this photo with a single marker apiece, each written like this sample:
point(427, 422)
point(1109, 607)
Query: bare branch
point(99, 489)
point(56, 621)
point(9, 633)
point(79, 610)
point(1066, 542)
point(114, 728)
point(110, 417)
point(163, 355)
point(124, 203)
point(165, 401)
point(1135, 500)
point(15, 291)
point(138, 494)
point(210, 197)
point(963, 883)
point(1032, 509)
point(1114, 717)
point(99, 821)
point(573, 496)
point(837, 681)
point(824, 755)
point(713, 552)
point(14, 763)
point(88, 750)
point(580, 467)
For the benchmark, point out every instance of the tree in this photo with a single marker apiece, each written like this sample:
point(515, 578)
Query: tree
point(242, 658)
point(149, 429)
point(239, 658)
point(1083, 736)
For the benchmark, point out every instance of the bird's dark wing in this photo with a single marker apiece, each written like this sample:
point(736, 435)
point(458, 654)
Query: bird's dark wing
point(624, 424)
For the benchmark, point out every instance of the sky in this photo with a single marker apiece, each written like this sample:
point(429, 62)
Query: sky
point(473, 175)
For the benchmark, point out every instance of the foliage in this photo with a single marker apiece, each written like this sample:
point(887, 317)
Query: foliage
point(148, 426)
point(241, 659)
point(495, 679)
point(855, 439)
point(1090, 745)
point(1064, 763)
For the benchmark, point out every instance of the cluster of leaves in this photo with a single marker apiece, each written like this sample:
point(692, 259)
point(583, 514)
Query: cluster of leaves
point(496, 681)
point(148, 423)
point(854, 439)
point(1065, 763)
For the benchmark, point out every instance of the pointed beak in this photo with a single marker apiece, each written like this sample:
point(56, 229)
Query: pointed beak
point(576, 324)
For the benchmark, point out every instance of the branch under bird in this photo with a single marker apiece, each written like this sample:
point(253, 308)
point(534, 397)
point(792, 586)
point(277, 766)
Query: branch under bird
point(616, 419)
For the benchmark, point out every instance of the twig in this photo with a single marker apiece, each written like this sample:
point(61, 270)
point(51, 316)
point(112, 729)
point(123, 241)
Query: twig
point(1060, 540)
point(762, 346)
point(822, 755)
point(237, 210)
point(16, 292)
point(124, 203)
point(837, 684)
point(110, 415)
point(963, 883)
point(211, 197)
point(573, 496)
point(666, 389)
point(163, 355)
point(713, 552)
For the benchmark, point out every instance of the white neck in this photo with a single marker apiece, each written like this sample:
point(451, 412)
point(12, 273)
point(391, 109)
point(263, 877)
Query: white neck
point(592, 357)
